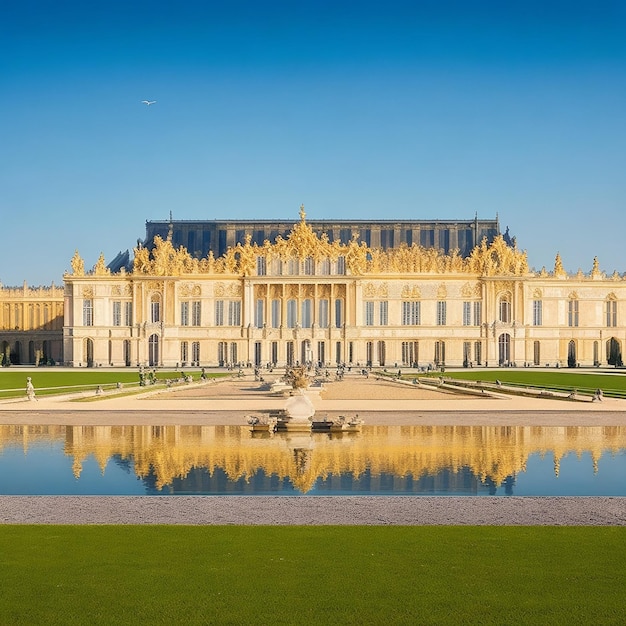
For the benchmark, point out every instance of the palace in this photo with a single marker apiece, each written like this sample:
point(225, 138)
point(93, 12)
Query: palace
point(392, 294)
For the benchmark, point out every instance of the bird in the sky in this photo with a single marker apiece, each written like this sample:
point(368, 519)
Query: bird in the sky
point(148, 102)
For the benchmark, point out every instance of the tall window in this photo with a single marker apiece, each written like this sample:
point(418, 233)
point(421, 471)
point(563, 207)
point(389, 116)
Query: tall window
point(275, 313)
point(341, 265)
point(117, 313)
point(325, 266)
point(369, 313)
point(292, 313)
point(196, 313)
point(383, 311)
point(258, 313)
point(195, 351)
point(411, 313)
point(505, 309)
point(339, 312)
point(306, 313)
point(184, 351)
point(323, 314)
point(536, 353)
point(219, 313)
point(572, 312)
point(478, 313)
point(128, 313)
point(234, 313)
point(440, 352)
point(261, 266)
point(410, 353)
point(611, 312)
point(309, 266)
point(537, 312)
point(478, 352)
point(441, 313)
point(184, 315)
point(155, 309)
point(87, 312)
point(467, 314)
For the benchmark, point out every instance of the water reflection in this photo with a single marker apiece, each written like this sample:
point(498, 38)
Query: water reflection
point(381, 459)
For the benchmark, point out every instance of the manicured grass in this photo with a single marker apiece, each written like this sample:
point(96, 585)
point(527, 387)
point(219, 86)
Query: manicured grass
point(51, 381)
point(566, 380)
point(312, 575)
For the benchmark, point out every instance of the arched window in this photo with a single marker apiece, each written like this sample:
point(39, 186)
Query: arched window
point(504, 308)
point(155, 308)
point(504, 349)
point(292, 313)
point(571, 354)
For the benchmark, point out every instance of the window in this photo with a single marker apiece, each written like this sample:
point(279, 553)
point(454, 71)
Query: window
point(383, 311)
point(234, 313)
point(155, 309)
point(440, 352)
point(441, 313)
point(117, 313)
point(537, 313)
point(505, 309)
point(184, 314)
point(611, 313)
point(292, 313)
point(323, 314)
point(467, 314)
point(275, 313)
point(411, 313)
point(341, 265)
point(572, 312)
point(219, 312)
point(87, 312)
point(196, 313)
point(306, 313)
point(369, 313)
point(195, 351)
point(184, 346)
point(261, 266)
point(478, 313)
point(258, 314)
point(536, 353)
point(292, 267)
point(128, 313)
point(325, 267)
point(410, 353)
point(309, 266)
point(478, 352)
point(338, 313)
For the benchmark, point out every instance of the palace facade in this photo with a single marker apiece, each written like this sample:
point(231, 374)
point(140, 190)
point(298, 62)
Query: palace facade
point(31, 325)
point(308, 297)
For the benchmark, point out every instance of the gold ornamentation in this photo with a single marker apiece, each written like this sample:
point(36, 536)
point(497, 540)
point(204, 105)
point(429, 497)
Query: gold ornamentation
point(559, 272)
point(219, 290)
point(595, 270)
point(78, 265)
point(87, 291)
point(100, 268)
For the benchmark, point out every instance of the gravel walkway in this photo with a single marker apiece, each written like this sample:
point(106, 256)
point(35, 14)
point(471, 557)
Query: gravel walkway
point(313, 510)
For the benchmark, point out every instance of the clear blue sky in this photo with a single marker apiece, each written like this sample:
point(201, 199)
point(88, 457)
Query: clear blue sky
point(356, 109)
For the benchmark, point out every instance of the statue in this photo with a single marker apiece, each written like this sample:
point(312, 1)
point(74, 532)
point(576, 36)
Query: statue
point(78, 265)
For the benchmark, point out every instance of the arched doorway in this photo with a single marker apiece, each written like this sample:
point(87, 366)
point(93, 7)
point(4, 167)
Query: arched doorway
point(504, 349)
point(153, 350)
point(89, 352)
point(306, 352)
point(571, 354)
point(614, 352)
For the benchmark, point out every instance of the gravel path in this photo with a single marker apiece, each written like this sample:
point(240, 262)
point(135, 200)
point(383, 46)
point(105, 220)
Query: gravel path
point(313, 510)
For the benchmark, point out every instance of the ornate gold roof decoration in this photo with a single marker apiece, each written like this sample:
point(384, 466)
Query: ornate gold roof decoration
point(78, 265)
point(100, 268)
point(596, 272)
point(497, 258)
point(559, 271)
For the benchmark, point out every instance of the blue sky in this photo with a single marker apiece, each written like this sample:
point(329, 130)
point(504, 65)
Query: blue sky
point(433, 110)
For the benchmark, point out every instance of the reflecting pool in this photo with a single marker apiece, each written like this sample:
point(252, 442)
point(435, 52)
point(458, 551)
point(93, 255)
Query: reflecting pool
point(380, 460)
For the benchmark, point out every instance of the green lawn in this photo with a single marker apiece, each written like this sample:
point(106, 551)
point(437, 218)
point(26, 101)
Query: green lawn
point(312, 575)
point(566, 380)
point(50, 381)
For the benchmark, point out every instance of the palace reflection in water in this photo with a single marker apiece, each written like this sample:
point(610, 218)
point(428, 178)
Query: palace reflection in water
point(472, 460)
